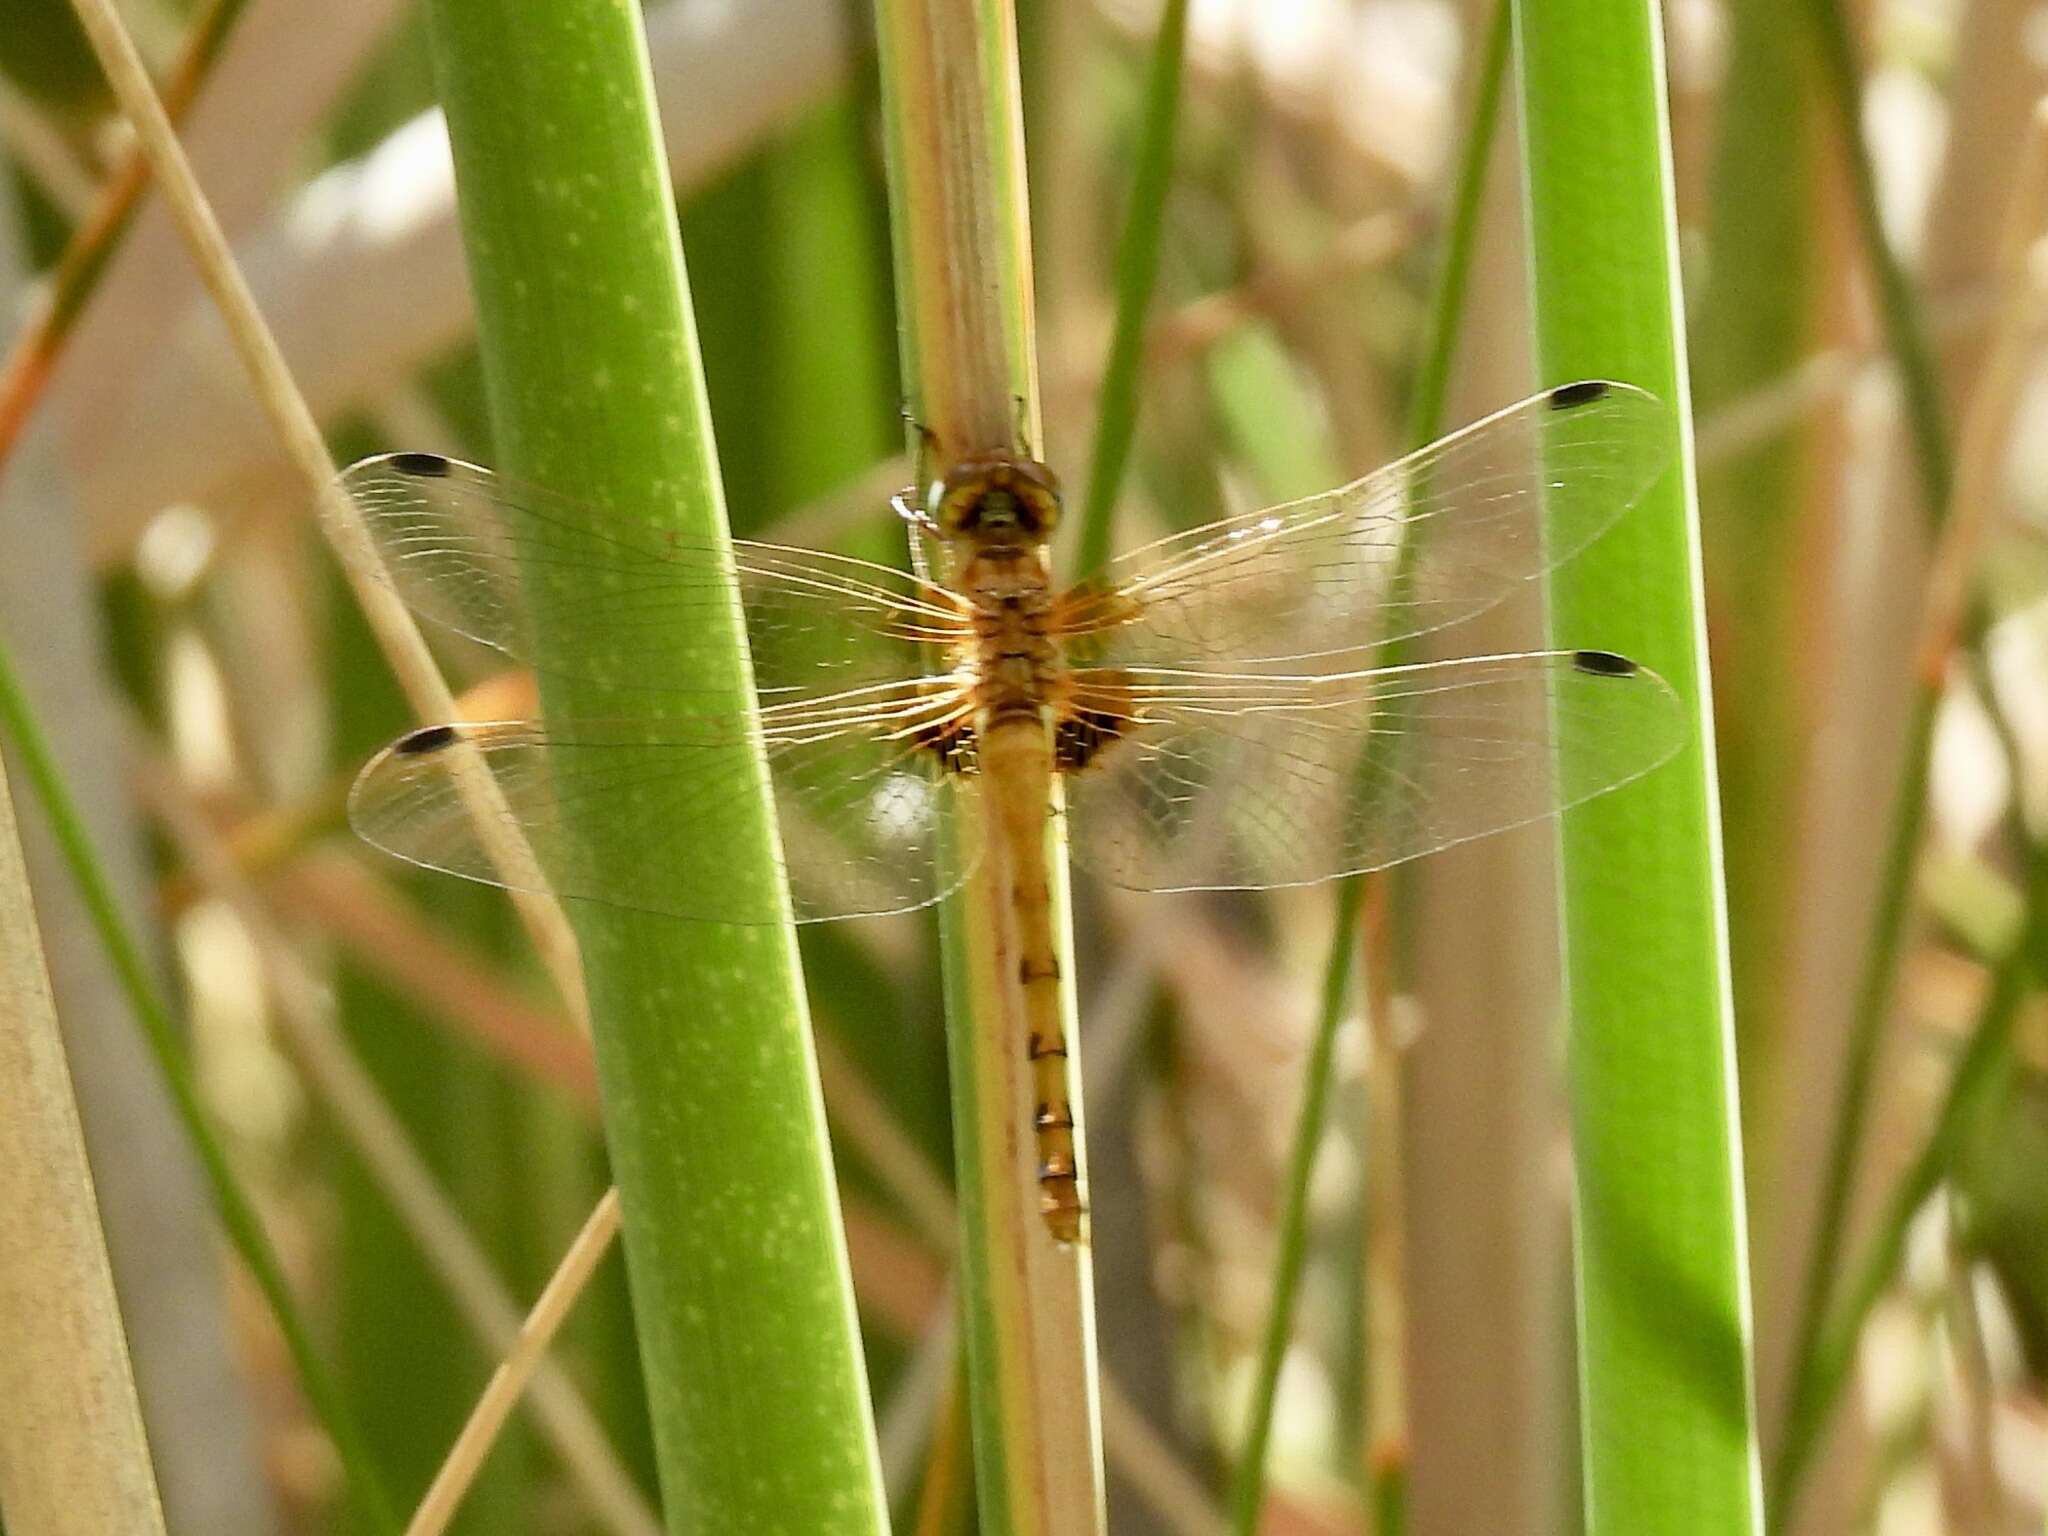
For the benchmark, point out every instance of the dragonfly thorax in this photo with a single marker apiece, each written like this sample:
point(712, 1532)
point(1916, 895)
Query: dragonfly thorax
point(1015, 652)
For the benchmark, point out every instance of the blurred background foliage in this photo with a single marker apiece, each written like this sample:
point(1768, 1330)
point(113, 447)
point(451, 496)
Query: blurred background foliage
point(1431, 1386)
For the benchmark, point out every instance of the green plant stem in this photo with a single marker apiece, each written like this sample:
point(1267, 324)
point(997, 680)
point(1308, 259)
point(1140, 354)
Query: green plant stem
point(237, 1211)
point(1872, 1003)
point(1859, 1064)
point(1426, 420)
point(1669, 1442)
point(741, 1295)
point(1461, 238)
point(1137, 270)
point(1248, 1490)
point(1905, 331)
point(1752, 323)
point(1984, 1056)
point(1905, 337)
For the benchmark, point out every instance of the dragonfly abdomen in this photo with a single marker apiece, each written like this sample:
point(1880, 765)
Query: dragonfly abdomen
point(1016, 764)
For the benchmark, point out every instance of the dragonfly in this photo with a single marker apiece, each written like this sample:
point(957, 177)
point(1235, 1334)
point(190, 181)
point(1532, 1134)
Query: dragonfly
point(1228, 708)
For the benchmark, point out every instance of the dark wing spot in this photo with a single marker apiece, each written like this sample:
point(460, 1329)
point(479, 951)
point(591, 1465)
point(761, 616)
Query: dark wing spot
point(428, 466)
point(1604, 664)
point(1568, 397)
point(428, 738)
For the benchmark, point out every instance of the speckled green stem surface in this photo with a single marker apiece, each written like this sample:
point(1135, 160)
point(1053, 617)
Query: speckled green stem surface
point(738, 1270)
point(1664, 1347)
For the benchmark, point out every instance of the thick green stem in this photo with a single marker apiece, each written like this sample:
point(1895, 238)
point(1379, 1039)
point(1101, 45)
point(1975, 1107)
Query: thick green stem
point(712, 1114)
point(1669, 1440)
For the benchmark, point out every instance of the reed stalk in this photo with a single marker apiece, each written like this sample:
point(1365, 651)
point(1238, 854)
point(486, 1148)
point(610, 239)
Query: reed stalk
point(954, 133)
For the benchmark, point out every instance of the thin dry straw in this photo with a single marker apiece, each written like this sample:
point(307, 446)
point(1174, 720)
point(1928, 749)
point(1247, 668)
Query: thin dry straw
point(41, 153)
point(1778, 405)
point(1371, 241)
point(1988, 423)
point(293, 422)
point(102, 224)
point(509, 1380)
point(424, 1208)
point(1139, 1452)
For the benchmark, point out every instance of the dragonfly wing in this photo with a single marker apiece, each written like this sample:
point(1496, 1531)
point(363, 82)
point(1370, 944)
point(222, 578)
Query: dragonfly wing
point(570, 588)
point(1425, 542)
point(624, 812)
point(1221, 782)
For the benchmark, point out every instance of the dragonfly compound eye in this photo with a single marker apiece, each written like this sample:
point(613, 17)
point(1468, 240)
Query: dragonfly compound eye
point(998, 498)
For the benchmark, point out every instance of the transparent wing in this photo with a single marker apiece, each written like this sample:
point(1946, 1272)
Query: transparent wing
point(1214, 782)
point(622, 811)
point(479, 554)
point(1425, 542)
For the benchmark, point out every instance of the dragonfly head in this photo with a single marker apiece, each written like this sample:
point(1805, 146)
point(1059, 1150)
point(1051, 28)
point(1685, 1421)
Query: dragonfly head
point(997, 499)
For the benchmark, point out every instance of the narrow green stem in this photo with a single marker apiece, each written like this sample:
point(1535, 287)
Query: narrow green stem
point(237, 1211)
point(1873, 1000)
point(1906, 338)
point(1830, 1357)
point(1137, 269)
point(1859, 1062)
point(1248, 1491)
point(1426, 420)
point(1905, 330)
point(1461, 238)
